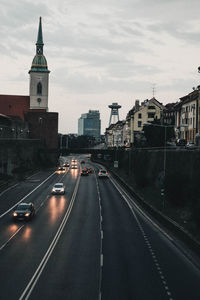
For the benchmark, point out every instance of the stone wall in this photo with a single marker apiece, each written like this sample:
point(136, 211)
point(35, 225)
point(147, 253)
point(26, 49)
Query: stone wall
point(16, 155)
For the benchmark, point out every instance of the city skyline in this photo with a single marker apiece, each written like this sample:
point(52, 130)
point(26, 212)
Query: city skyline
point(100, 53)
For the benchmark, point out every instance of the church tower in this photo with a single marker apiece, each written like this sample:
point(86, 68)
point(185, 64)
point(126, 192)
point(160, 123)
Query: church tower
point(39, 76)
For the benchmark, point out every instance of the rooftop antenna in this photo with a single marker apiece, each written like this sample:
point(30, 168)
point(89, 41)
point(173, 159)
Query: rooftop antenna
point(153, 89)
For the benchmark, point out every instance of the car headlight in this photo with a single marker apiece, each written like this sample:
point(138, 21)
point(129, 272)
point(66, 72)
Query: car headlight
point(14, 214)
point(27, 214)
point(53, 190)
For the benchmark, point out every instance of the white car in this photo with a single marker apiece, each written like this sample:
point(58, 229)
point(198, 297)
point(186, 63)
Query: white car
point(190, 145)
point(103, 174)
point(58, 189)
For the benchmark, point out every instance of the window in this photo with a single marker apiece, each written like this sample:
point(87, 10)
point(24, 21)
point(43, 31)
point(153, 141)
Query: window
point(139, 116)
point(139, 124)
point(151, 107)
point(39, 88)
point(151, 115)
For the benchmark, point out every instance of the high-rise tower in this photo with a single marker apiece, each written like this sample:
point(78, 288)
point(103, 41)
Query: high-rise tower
point(39, 76)
point(114, 114)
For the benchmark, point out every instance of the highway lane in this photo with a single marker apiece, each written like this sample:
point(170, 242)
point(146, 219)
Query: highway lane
point(20, 257)
point(12, 195)
point(73, 271)
point(106, 249)
point(128, 269)
point(179, 277)
point(31, 192)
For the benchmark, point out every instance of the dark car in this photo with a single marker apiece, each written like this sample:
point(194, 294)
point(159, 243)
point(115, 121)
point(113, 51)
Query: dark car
point(61, 169)
point(66, 164)
point(181, 142)
point(73, 167)
point(90, 170)
point(24, 211)
point(84, 172)
point(82, 161)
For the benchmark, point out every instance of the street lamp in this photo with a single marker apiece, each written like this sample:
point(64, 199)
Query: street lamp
point(164, 158)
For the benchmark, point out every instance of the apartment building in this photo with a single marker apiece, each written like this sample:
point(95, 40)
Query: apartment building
point(187, 116)
point(148, 111)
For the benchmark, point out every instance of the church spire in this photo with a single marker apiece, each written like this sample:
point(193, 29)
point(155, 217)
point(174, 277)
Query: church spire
point(39, 44)
point(39, 63)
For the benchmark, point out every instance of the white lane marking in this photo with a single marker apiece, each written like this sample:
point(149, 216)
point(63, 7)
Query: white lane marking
point(146, 240)
point(29, 288)
point(11, 187)
point(5, 213)
point(101, 240)
point(101, 260)
point(33, 175)
point(123, 193)
point(11, 238)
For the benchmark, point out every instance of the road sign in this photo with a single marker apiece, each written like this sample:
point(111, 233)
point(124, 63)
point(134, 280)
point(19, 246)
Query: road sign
point(116, 164)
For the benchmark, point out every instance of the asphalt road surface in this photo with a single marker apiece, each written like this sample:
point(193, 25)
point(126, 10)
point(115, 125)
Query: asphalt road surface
point(91, 243)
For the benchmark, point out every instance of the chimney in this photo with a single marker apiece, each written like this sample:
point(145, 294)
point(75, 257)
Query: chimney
point(137, 105)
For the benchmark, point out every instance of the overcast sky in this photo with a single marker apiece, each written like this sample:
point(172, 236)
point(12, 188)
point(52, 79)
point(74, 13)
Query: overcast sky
point(101, 52)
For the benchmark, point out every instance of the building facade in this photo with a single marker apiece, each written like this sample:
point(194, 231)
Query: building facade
point(33, 109)
point(90, 124)
point(187, 116)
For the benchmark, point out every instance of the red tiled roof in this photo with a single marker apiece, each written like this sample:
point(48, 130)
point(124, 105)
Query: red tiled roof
point(14, 105)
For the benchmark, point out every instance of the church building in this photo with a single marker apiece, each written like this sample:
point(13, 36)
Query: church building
point(33, 109)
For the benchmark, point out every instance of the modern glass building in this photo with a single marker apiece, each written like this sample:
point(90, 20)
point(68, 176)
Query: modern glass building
point(90, 124)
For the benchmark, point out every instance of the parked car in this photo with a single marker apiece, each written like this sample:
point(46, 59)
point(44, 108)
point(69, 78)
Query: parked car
point(181, 142)
point(24, 211)
point(103, 174)
point(82, 161)
point(190, 145)
point(171, 144)
point(58, 189)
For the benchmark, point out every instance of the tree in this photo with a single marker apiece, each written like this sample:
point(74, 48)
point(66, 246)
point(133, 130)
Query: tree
point(157, 135)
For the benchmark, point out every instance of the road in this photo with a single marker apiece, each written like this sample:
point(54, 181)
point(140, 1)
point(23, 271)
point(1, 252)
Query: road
point(91, 243)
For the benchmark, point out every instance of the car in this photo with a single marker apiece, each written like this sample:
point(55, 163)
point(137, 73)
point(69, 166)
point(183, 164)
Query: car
point(24, 211)
point(73, 167)
point(181, 142)
point(103, 174)
point(190, 145)
point(58, 189)
point(84, 172)
point(82, 161)
point(66, 164)
point(61, 169)
point(90, 170)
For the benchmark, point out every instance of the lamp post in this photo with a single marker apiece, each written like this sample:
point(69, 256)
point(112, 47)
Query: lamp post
point(164, 158)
